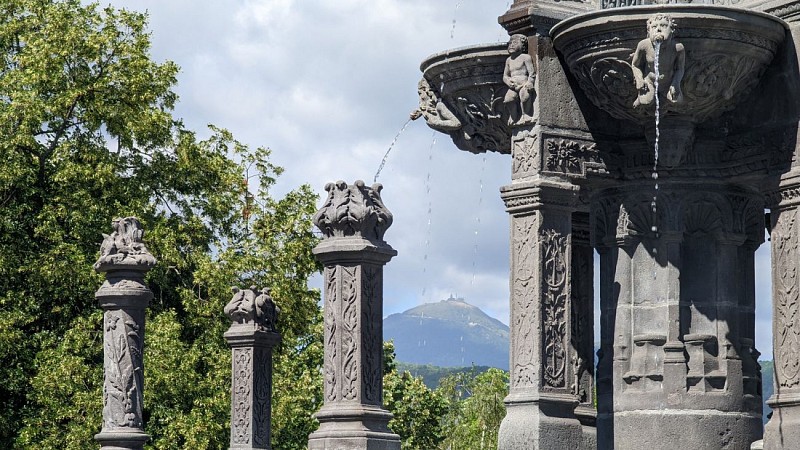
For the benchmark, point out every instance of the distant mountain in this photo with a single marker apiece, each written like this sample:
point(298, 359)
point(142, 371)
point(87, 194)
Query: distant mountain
point(450, 333)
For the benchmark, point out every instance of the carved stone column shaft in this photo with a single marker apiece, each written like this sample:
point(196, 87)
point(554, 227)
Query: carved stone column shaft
point(782, 432)
point(123, 296)
point(540, 407)
point(252, 336)
point(353, 251)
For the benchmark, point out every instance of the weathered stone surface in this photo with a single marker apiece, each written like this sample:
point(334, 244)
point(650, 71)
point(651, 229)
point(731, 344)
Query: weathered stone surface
point(123, 296)
point(353, 220)
point(676, 229)
point(252, 336)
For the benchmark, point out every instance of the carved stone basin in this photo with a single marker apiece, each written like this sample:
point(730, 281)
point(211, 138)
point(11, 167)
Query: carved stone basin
point(726, 52)
point(461, 94)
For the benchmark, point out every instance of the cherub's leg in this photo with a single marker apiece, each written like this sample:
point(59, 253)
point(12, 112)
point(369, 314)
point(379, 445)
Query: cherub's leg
point(511, 100)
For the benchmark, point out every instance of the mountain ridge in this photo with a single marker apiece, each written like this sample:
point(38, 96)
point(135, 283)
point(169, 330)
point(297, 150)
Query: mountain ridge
point(448, 333)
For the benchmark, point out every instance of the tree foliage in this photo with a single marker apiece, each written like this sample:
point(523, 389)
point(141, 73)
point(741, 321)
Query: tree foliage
point(475, 409)
point(87, 134)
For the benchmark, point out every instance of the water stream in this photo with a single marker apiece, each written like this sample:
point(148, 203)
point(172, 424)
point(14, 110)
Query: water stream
point(386, 155)
point(654, 204)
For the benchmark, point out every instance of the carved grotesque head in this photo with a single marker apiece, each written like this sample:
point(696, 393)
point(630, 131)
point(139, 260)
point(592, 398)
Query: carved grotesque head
point(660, 28)
point(518, 43)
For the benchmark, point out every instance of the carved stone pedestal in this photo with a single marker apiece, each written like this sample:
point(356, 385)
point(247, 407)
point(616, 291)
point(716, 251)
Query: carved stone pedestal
point(353, 251)
point(252, 336)
point(123, 296)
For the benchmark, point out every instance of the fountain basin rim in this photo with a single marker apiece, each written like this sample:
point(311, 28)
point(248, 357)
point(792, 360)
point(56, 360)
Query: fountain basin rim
point(462, 53)
point(653, 9)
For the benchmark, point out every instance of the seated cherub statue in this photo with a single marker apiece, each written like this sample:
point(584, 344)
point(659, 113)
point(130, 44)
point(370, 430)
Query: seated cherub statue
point(671, 62)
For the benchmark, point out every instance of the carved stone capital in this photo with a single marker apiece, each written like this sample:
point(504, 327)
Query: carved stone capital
point(254, 310)
point(354, 211)
point(124, 249)
point(521, 198)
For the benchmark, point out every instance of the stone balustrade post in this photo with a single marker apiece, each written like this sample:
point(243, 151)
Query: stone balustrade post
point(252, 336)
point(123, 296)
point(353, 221)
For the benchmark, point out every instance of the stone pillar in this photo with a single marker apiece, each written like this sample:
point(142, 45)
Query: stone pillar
point(123, 296)
point(677, 360)
point(252, 336)
point(540, 407)
point(582, 327)
point(353, 221)
point(782, 432)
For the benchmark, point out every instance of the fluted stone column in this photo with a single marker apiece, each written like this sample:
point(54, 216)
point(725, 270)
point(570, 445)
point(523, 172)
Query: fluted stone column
point(353, 221)
point(782, 432)
point(252, 336)
point(123, 296)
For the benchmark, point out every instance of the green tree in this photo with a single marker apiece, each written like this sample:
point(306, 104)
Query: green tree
point(475, 409)
point(86, 134)
point(417, 410)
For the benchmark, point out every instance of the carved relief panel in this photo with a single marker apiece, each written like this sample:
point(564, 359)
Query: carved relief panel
point(786, 299)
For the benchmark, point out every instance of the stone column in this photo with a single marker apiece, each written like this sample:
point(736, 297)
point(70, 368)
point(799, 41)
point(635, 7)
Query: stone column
point(677, 366)
point(252, 336)
point(123, 296)
point(782, 432)
point(540, 407)
point(353, 221)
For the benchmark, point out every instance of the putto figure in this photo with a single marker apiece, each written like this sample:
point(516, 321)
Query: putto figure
point(671, 62)
point(519, 75)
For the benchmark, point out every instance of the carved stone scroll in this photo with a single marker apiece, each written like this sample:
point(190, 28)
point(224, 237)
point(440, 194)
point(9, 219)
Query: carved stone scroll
point(353, 220)
point(125, 260)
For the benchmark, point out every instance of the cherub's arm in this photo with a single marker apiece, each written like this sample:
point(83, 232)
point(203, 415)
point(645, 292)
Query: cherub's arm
point(507, 74)
point(680, 66)
point(531, 72)
point(639, 59)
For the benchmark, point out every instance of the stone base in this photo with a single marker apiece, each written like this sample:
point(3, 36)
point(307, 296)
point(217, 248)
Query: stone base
point(124, 439)
point(674, 429)
point(344, 427)
point(541, 424)
point(782, 432)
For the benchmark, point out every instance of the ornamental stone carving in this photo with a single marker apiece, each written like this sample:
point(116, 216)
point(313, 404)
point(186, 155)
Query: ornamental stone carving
point(252, 337)
point(353, 211)
point(596, 49)
point(519, 75)
point(554, 269)
point(123, 296)
point(247, 308)
point(659, 52)
point(463, 94)
point(352, 416)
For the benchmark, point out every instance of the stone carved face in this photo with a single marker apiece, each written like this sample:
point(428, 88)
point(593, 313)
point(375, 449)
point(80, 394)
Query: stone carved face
point(660, 28)
point(517, 43)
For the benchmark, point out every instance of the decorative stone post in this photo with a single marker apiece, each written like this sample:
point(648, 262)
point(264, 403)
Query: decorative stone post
point(353, 221)
point(123, 296)
point(252, 336)
point(540, 407)
point(782, 432)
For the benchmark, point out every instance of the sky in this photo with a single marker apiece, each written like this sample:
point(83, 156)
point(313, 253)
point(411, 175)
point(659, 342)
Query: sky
point(328, 85)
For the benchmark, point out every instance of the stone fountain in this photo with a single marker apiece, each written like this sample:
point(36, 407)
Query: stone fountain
point(657, 135)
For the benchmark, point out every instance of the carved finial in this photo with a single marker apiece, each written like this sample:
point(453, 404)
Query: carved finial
point(124, 247)
point(353, 211)
point(247, 308)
